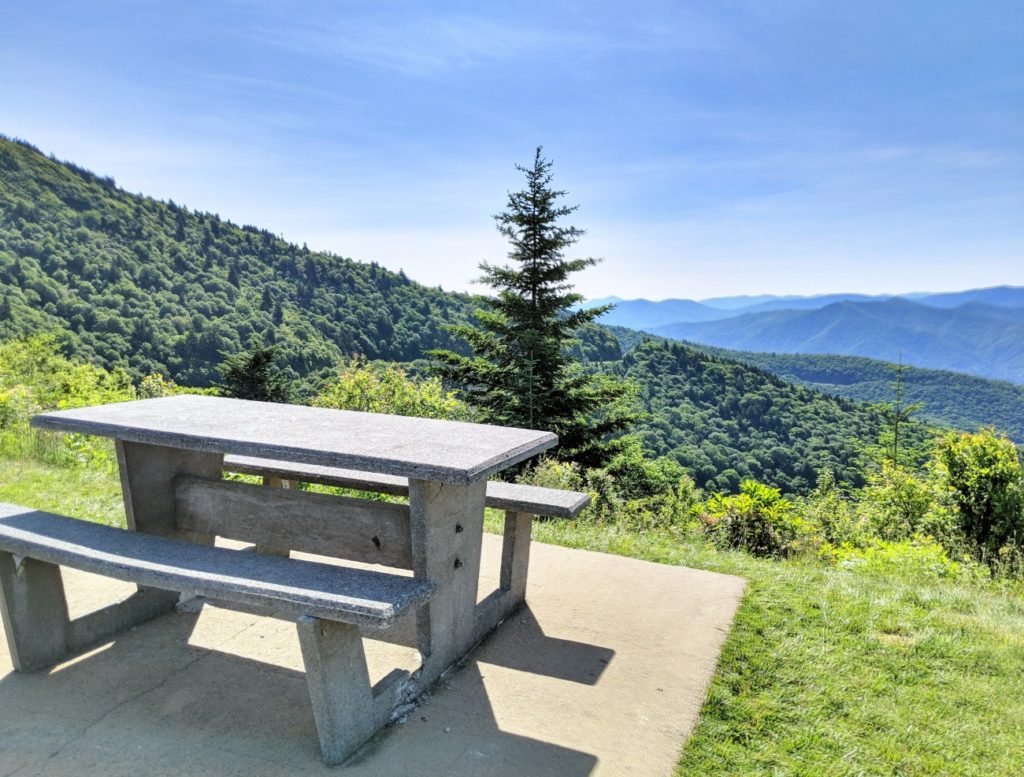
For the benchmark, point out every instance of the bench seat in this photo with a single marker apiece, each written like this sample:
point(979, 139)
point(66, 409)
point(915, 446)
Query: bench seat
point(515, 497)
point(325, 591)
point(329, 604)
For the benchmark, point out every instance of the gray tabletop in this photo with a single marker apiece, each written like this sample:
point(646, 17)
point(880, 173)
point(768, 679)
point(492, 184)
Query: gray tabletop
point(429, 449)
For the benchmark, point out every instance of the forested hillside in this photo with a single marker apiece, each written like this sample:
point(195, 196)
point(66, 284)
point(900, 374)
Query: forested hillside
point(950, 398)
point(154, 287)
point(725, 421)
point(953, 399)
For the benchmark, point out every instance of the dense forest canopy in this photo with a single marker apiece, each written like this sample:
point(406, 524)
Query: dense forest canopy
point(725, 421)
point(953, 399)
point(154, 287)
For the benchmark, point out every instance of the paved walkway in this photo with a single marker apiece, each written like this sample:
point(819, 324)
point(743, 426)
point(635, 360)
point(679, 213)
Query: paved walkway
point(603, 674)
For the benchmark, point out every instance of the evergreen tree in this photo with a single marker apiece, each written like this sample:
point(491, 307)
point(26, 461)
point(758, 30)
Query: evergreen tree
point(251, 375)
point(899, 414)
point(520, 372)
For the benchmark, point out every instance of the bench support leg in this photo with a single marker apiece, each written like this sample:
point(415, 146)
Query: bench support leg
point(515, 555)
point(515, 563)
point(147, 484)
point(271, 481)
point(35, 612)
point(344, 706)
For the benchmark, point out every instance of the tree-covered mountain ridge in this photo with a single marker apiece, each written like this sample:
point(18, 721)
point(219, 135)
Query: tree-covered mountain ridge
point(645, 314)
point(976, 338)
point(980, 331)
point(954, 399)
point(151, 286)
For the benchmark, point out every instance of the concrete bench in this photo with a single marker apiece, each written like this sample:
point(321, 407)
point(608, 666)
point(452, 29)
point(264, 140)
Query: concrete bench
point(329, 604)
point(520, 503)
point(514, 497)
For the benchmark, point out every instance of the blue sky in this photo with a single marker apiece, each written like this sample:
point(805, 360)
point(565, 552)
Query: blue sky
point(775, 146)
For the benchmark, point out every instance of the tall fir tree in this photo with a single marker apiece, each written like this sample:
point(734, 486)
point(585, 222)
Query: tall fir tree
point(251, 375)
point(520, 372)
point(898, 415)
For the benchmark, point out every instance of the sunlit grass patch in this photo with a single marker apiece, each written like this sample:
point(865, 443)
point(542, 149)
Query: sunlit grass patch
point(82, 492)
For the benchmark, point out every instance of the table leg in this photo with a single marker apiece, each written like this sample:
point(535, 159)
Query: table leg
point(515, 562)
point(447, 530)
point(147, 484)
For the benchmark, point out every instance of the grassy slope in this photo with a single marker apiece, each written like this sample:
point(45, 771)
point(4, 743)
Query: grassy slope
point(826, 672)
point(81, 492)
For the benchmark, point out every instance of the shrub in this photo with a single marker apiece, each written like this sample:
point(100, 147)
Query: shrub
point(982, 474)
point(35, 376)
point(386, 388)
point(896, 502)
point(639, 477)
point(833, 513)
point(156, 385)
point(549, 472)
point(757, 519)
point(639, 495)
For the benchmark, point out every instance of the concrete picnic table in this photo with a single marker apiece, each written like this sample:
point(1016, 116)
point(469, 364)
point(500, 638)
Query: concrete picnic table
point(171, 451)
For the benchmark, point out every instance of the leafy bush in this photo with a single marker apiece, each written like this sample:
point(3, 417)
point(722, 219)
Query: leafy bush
point(833, 512)
point(982, 474)
point(896, 502)
point(639, 477)
point(637, 495)
point(34, 377)
point(758, 519)
point(377, 387)
point(156, 385)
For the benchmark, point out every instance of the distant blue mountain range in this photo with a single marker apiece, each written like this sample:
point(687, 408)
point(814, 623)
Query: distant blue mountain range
point(980, 331)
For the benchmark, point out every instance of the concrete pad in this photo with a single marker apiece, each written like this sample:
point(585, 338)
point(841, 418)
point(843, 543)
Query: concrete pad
point(603, 673)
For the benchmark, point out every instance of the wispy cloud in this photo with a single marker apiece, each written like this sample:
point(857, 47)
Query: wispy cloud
point(423, 48)
point(437, 45)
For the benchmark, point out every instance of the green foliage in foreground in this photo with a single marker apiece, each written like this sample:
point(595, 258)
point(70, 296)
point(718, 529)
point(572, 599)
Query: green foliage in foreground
point(983, 477)
point(757, 519)
point(35, 376)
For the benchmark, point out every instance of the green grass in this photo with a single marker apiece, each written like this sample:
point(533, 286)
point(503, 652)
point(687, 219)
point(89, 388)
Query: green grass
point(94, 494)
point(833, 672)
point(826, 671)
